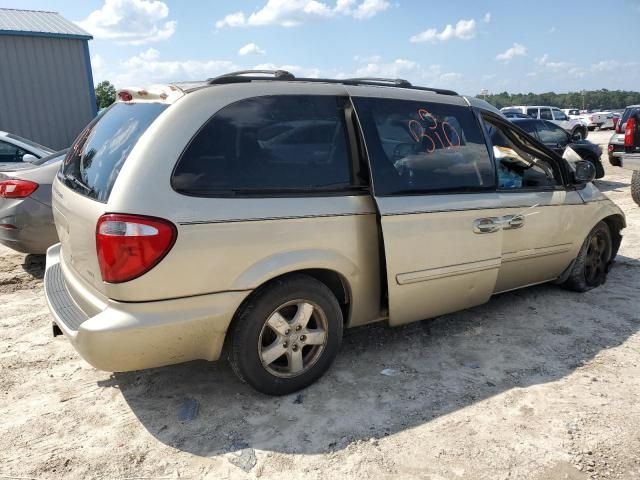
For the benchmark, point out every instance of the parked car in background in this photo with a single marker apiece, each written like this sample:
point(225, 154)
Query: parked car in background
point(556, 138)
point(616, 142)
point(249, 208)
point(575, 127)
point(14, 150)
point(26, 220)
point(630, 159)
point(608, 123)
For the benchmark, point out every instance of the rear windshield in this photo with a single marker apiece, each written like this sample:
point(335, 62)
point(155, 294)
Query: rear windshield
point(96, 158)
point(627, 113)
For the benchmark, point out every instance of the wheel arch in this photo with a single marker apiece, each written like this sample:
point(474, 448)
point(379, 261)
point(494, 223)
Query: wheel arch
point(616, 223)
point(329, 268)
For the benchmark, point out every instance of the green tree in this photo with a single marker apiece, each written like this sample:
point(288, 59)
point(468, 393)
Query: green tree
point(594, 99)
point(105, 94)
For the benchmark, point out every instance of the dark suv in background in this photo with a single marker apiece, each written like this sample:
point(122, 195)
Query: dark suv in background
point(558, 139)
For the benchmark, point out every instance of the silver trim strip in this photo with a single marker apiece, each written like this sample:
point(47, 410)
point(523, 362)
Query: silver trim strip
point(536, 252)
point(449, 271)
point(263, 219)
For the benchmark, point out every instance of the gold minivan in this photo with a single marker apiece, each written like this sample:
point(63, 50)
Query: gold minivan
point(267, 213)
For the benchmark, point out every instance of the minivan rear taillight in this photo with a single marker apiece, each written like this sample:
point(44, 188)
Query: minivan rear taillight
point(17, 188)
point(130, 245)
point(629, 132)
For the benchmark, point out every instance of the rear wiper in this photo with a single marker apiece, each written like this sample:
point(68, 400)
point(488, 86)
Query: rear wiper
point(78, 183)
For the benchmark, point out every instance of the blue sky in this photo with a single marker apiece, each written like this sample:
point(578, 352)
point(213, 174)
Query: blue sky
point(498, 45)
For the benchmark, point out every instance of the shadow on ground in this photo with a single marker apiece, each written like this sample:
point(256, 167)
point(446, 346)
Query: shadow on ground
point(610, 185)
point(518, 339)
point(34, 265)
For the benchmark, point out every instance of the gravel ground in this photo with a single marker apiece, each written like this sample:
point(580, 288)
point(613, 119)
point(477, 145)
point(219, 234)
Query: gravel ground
point(537, 384)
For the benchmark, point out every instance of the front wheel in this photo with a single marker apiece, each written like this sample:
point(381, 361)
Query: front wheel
point(287, 335)
point(635, 186)
point(579, 134)
point(592, 264)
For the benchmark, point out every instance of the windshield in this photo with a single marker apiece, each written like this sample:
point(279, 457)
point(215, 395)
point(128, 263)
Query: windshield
point(54, 157)
point(95, 159)
point(30, 143)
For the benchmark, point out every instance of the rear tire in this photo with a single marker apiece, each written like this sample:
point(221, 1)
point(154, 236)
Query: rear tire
point(579, 131)
point(286, 335)
point(592, 264)
point(635, 186)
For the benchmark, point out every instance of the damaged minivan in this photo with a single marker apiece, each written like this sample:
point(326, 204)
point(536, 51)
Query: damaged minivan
point(265, 214)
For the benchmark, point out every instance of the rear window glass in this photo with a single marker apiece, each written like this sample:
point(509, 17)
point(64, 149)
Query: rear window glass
point(267, 145)
point(627, 113)
point(96, 157)
point(420, 147)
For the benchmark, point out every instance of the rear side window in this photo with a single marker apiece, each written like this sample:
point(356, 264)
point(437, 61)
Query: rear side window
point(532, 112)
point(545, 114)
point(96, 157)
point(420, 147)
point(268, 145)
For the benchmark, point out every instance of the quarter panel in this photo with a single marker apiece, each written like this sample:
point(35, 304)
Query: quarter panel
point(238, 244)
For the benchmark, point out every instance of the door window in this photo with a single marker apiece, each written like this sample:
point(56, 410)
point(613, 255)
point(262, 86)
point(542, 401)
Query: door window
point(545, 114)
point(532, 112)
point(420, 147)
point(550, 133)
point(520, 164)
point(559, 115)
point(269, 145)
point(11, 153)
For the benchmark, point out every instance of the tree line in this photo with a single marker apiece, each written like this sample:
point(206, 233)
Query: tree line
point(592, 99)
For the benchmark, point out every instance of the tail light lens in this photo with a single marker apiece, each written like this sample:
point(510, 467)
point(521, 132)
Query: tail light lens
point(128, 246)
point(611, 148)
point(17, 188)
point(629, 132)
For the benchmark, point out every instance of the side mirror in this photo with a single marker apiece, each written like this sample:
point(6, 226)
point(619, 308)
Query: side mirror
point(27, 157)
point(584, 172)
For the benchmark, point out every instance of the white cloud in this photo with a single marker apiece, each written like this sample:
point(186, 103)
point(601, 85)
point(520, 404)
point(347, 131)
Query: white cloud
point(516, 51)
point(290, 13)
point(148, 67)
point(251, 49)
point(394, 69)
point(544, 62)
point(370, 8)
point(552, 30)
point(487, 17)
point(464, 30)
point(130, 22)
point(297, 70)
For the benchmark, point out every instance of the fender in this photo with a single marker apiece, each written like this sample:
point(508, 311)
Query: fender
point(286, 262)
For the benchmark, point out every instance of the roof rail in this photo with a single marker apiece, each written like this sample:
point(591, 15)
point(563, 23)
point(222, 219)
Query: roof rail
point(244, 76)
point(398, 82)
point(275, 75)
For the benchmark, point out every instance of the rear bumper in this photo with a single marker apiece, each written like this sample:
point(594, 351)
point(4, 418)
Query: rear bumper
point(33, 228)
point(131, 336)
point(630, 161)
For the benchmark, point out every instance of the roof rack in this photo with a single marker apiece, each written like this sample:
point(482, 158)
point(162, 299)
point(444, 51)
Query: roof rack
point(282, 75)
point(242, 76)
point(398, 82)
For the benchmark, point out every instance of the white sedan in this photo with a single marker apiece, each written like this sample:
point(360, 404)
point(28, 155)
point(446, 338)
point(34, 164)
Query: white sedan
point(15, 151)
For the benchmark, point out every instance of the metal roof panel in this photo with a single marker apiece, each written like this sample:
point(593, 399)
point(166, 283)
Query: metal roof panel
point(40, 23)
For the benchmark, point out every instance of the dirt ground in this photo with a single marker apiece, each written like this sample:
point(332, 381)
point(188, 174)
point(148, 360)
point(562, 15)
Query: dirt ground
point(537, 384)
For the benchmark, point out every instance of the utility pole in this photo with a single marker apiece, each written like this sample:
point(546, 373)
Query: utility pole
point(584, 93)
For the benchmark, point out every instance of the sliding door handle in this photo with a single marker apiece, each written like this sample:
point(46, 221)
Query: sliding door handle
point(487, 225)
